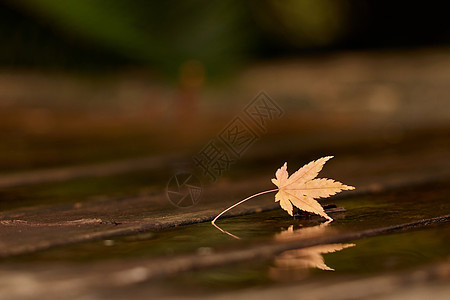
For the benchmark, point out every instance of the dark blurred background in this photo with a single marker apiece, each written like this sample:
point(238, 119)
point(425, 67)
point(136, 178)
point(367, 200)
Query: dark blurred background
point(90, 81)
point(222, 35)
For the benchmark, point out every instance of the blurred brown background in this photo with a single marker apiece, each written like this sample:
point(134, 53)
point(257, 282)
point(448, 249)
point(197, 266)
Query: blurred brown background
point(87, 81)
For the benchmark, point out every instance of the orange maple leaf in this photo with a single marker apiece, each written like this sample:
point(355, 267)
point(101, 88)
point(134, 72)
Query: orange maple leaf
point(302, 188)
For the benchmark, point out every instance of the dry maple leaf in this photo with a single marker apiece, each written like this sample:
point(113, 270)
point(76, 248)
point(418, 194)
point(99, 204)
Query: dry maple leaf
point(302, 188)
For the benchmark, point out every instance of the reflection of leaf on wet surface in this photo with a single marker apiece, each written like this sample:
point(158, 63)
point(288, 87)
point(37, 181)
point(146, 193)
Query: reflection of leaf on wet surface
point(302, 233)
point(310, 257)
point(294, 264)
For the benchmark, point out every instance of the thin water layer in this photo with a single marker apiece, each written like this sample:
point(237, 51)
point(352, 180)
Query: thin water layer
point(356, 259)
point(363, 212)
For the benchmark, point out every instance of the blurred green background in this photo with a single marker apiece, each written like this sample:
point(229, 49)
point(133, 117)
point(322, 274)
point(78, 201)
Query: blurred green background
point(221, 35)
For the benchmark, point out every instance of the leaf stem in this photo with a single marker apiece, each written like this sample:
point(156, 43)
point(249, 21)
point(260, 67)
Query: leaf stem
point(236, 204)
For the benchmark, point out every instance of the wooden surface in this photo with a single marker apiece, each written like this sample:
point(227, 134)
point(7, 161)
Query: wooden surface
point(72, 174)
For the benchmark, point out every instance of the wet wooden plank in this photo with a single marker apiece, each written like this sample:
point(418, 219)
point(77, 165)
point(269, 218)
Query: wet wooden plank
point(419, 283)
point(101, 277)
point(41, 228)
point(126, 215)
